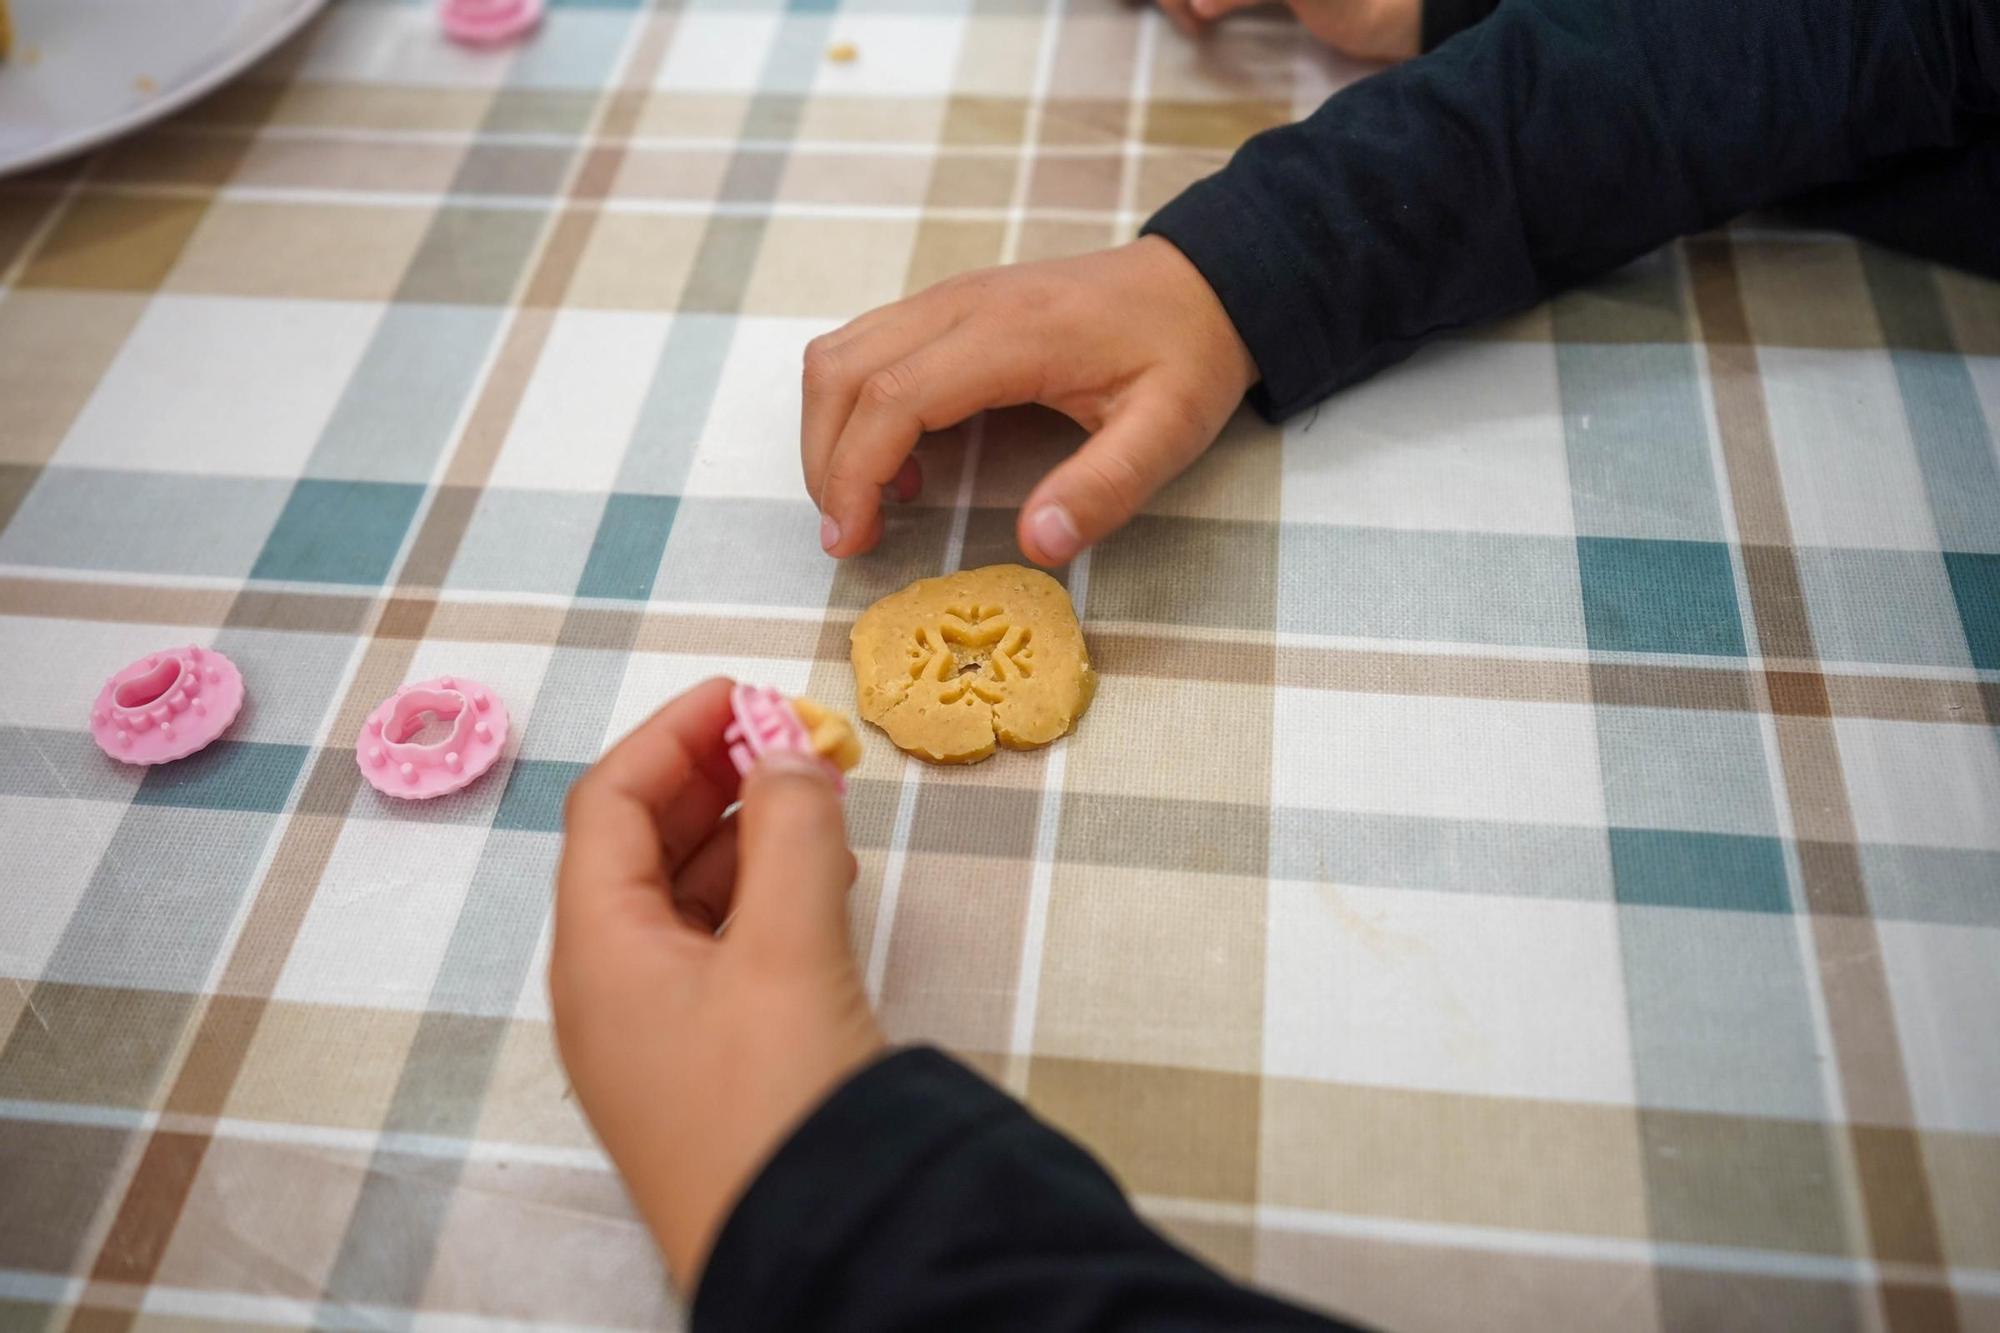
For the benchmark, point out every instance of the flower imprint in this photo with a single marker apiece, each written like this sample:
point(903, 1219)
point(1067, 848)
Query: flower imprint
point(975, 649)
point(953, 667)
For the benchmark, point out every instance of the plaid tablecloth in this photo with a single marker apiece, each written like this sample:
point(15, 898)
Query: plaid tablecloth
point(1534, 860)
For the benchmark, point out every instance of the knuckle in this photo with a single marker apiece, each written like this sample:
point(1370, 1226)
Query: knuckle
point(821, 372)
point(1026, 295)
point(845, 488)
point(1114, 480)
point(893, 386)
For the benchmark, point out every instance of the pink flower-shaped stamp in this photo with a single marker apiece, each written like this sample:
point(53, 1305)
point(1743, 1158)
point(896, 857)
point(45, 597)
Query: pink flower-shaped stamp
point(765, 720)
point(488, 22)
point(166, 705)
point(397, 766)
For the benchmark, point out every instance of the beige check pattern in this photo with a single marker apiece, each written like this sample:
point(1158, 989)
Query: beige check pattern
point(1531, 862)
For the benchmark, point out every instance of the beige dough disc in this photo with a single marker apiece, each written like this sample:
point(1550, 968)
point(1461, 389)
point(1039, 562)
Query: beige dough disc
point(951, 667)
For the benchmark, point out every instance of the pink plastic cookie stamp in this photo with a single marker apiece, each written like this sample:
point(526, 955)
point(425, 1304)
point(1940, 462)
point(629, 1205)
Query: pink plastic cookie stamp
point(167, 705)
point(765, 721)
point(488, 22)
point(397, 765)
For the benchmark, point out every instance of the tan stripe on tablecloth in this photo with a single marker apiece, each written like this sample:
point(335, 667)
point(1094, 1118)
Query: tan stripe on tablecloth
point(83, 283)
point(1165, 652)
point(153, 1200)
point(1893, 1189)
point(85, 279)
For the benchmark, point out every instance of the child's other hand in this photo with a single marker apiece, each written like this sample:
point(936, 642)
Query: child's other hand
point(1129, 343)
point(1363, 29)
point(693, 1054)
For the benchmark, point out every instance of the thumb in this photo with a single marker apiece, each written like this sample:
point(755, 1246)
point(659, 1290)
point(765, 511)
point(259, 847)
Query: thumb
point(793, 866)
point(1094, 492)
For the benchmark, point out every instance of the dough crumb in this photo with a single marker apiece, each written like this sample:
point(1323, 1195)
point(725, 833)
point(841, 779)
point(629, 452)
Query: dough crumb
point(843, 53)
point(832, 735)
point(145, 84)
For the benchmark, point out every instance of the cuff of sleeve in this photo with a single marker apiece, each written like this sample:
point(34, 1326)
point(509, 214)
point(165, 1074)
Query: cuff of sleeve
point(820, 1190)
point(1242, 255)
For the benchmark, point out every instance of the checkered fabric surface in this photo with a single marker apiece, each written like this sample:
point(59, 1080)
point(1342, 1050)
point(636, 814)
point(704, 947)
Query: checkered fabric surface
point(1534, 860)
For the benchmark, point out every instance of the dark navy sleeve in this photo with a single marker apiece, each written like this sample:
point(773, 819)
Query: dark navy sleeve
point(1921, 206)
point(921, 1197)
point(1445, 19)
point(1554, 140)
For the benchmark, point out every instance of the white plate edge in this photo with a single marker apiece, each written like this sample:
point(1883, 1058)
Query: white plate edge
point(211, 79)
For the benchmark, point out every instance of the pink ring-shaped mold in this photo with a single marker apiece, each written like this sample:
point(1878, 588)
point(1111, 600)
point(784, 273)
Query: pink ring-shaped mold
point(488, 22)
point(398, 766)
point(166, 705)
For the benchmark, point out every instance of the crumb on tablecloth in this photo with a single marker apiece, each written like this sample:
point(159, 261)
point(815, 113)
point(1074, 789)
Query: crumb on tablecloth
point(843, 53)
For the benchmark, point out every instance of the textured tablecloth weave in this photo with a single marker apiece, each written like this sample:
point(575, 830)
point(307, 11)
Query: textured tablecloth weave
point(1534, 860)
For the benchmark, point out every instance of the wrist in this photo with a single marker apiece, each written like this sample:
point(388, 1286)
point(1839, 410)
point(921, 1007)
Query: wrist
point(1214, 331)
point(703, 1162)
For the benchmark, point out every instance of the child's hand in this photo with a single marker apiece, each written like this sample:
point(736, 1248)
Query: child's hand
point(1130, 343)
point(1364, 29)
point(694, 1055)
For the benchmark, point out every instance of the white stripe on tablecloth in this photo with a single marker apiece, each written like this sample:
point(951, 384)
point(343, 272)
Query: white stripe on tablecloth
point(906, 801)
point(877, 965)
point(1559, 1245)
point(1031, 130)
point(1034, 930)
point(1134, 148)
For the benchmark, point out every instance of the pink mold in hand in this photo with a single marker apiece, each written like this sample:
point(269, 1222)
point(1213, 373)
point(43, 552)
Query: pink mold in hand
point(397, 765)
point(167, 705)
point(488, 22)
point(764, 721)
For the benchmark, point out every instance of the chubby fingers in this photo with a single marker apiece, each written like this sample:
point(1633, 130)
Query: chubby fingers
point(872, 388)
point(838, 363)
point(641, 810)
point(793, 864)
point(974, 366)
point(1150, 439)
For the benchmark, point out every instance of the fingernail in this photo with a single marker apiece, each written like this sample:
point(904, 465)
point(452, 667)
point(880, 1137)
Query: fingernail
point(1054, 533)
point(829, 534)
point(794, 763)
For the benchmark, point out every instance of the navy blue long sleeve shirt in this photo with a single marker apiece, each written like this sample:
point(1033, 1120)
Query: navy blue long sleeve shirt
point(920, 1197)
point(1554, 140)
